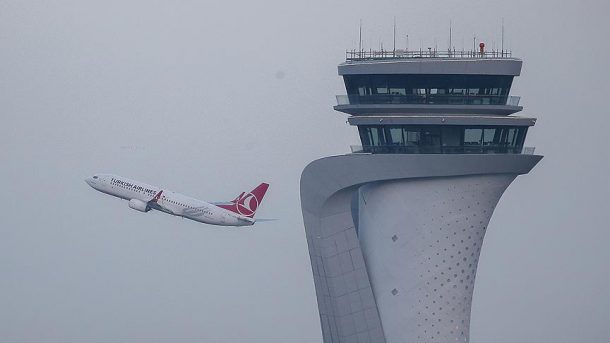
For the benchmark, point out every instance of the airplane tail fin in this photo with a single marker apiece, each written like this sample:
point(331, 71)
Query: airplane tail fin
point(157, 197)
point(246, 204)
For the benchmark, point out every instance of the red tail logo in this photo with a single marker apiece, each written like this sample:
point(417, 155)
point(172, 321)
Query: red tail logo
point(157, 197)
point(246, 204)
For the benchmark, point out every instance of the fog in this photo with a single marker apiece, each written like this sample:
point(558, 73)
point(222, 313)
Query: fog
point(212, 98)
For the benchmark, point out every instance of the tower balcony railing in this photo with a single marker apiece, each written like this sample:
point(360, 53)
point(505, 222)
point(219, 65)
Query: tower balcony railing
point(367, 55)
point(432, 99)
point(463, 149)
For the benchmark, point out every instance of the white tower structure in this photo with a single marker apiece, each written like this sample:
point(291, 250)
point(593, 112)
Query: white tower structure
point(395, 228)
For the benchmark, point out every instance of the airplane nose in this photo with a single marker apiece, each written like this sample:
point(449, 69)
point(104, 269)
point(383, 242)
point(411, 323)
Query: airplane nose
point(89, 181)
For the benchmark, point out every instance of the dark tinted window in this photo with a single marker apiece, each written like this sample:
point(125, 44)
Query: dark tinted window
point(429, 89)
point(442, 139)
point(433, 84)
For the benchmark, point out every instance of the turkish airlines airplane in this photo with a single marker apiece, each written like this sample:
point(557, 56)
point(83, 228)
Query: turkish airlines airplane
point(143, 198)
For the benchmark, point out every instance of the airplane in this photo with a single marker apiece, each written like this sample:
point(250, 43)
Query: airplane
point(142, 197)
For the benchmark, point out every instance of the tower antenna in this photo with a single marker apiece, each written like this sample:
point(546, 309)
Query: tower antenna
point(502, 36)
point(394, 50)
point(360, 39)
point(474, 44)
point(450, 46)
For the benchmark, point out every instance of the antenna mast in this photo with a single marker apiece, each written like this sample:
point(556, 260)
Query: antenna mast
point(474, 44)
point(360, 39)
point(502, 37)
point(450, 45)
point(394, 50)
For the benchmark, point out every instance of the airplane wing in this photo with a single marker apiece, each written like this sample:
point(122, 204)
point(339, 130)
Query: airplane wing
point(154, 204)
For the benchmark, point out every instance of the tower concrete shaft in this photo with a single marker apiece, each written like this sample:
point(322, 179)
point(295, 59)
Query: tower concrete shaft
point(389, 236)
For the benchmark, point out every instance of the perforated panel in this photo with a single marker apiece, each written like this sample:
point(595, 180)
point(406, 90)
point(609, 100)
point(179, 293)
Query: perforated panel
point(421, 240)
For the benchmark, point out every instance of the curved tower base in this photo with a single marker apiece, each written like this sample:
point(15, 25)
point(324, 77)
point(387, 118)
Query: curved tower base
point(421, 240)
point(412, 218)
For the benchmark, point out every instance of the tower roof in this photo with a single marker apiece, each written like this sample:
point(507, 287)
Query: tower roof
point(444, 64)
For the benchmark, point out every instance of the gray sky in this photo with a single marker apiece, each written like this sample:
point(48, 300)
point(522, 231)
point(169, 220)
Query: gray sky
point(210, 99)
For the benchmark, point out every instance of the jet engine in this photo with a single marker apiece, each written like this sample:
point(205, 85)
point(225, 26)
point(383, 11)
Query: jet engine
point(139, 205)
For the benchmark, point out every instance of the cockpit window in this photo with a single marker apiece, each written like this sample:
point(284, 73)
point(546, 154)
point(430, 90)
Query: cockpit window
point(95, 176)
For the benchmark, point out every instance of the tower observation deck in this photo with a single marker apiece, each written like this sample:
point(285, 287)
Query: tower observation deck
point(396, 227)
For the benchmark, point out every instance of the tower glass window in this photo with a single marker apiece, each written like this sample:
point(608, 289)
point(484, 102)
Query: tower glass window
point(437, 139)
point(428, 89)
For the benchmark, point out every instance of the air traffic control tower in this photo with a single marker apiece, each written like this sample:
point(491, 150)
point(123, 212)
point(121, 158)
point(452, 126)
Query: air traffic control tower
point(395, 228)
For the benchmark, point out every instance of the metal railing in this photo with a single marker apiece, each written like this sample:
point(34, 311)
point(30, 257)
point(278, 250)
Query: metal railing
point(528, 150)
point(465, 149)
point(435, 99)
point(363, 55)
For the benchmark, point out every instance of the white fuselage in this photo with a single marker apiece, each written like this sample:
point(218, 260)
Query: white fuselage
point(169, 202)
